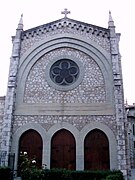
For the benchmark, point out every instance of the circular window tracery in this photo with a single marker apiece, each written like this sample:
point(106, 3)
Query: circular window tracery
point(64, 72)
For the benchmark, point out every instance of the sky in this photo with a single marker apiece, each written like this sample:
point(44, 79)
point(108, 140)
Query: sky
point(95, 12)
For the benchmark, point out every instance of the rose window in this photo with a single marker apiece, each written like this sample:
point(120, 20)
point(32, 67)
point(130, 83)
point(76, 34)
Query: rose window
point(64, 72)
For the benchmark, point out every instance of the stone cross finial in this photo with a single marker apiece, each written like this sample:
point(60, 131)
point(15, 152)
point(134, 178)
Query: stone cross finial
point(66, 12)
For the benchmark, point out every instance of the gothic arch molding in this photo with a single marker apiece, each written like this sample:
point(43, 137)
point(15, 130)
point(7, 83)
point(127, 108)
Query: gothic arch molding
point(55, 128)
point(66, 38)
point(111, 138)
point(20, 131)
point(90, 48)
point(63, 125)
point(63, 150)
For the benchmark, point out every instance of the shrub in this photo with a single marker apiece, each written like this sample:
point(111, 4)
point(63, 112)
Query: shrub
point(115, 177)
point(32, 173)
point(5, 173)
point(62, 174)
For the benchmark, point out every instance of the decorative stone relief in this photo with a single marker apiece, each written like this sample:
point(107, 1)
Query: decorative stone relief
point(96, 34)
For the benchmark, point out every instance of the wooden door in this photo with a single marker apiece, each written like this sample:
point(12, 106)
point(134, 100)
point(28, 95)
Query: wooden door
point(63, 150)
point(96, 151)
point(31, 143)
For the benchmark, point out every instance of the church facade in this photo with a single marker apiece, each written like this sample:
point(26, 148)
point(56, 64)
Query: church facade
point(64, 104)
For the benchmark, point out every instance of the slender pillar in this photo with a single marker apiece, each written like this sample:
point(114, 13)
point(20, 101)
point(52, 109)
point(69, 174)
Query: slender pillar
point(118, 97)
point(10, 96)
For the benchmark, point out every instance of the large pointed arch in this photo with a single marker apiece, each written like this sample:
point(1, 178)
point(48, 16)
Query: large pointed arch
point(89, 47)
point(19, 132)
point(96, 151)
point(111, 138)
point(63, 150)
point(30, 145)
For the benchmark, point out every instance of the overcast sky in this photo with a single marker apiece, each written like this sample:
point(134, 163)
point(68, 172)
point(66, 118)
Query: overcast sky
point(38, 12)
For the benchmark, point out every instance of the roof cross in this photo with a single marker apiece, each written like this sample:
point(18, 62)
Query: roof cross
point(66, 12)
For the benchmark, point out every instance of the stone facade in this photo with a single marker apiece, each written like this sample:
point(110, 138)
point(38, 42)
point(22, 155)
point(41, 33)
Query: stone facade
point(98, 35)
point(91, 89)
point(2, 104)
point(94, 101)
point(130, 113)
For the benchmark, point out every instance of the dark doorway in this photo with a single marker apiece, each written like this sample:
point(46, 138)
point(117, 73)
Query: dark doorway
point(30, 146)
point(96, 151)
point(63, 150)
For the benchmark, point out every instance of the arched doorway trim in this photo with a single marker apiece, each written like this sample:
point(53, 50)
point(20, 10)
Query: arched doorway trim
point(102, 58)
point(64, 125)
point(30, 144)
point(75, 133)
point(96, 151)
point(63, 150)
point(111, 137)
point(19, 132)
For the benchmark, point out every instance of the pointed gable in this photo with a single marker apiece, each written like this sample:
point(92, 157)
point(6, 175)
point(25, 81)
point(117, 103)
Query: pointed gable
point(97, 34)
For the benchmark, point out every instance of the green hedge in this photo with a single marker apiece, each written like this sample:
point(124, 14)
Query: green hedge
point(115, 177)
point(5, 173)
point(60, 174)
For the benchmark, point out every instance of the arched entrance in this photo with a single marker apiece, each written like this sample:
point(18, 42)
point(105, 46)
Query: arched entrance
point(30, 145)
point(96, 151)
point(63, 150)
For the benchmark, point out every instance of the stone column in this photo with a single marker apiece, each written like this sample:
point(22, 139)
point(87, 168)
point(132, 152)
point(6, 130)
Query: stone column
point(10, 96)
point(118, 98)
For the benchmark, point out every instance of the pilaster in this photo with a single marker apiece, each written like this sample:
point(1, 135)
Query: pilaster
point(10, 96)
point(118, 97)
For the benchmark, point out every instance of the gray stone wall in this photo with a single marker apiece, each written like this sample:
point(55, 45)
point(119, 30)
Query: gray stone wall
point(130, 111)
point(90, 90)
point(98, 35)
point(77, 121)
point(10, 96)
point(2, 104)
point(43, 107)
